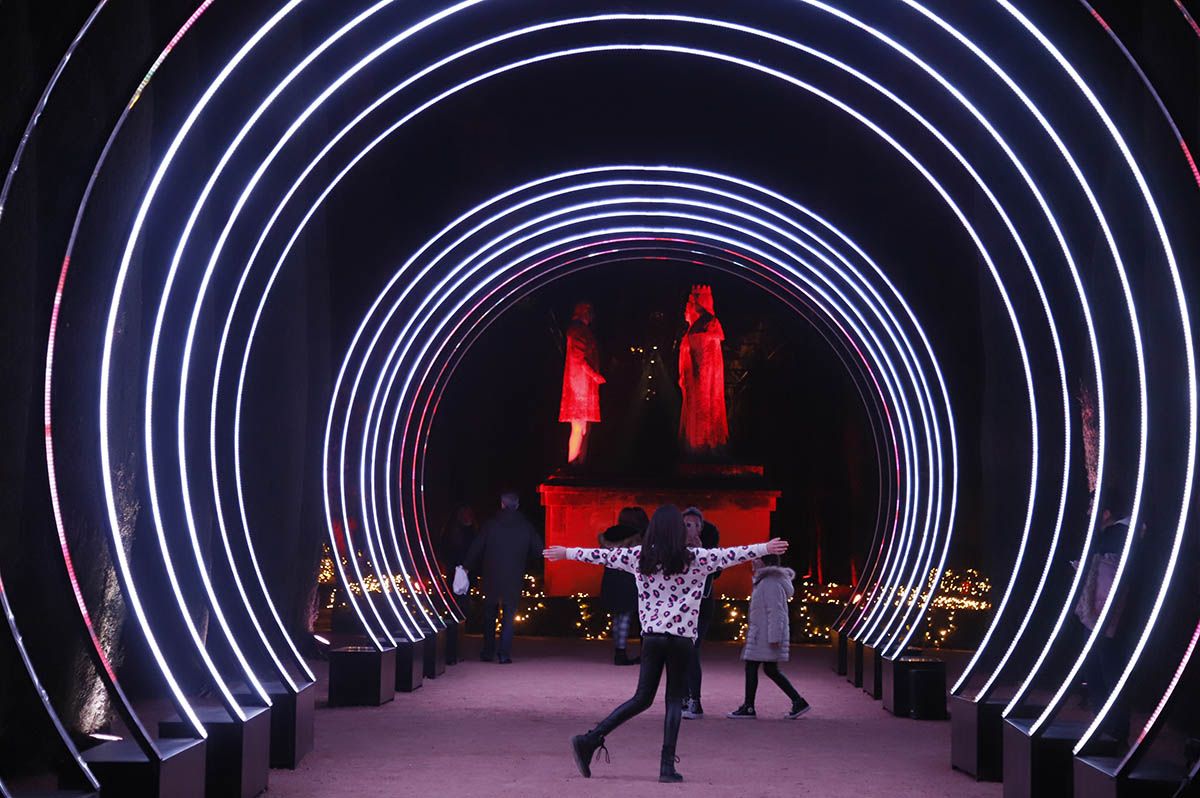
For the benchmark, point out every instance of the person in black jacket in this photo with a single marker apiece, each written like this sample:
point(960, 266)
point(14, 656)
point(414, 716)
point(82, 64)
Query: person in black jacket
point(618, 589)
point(705, 534)
point(508, 542)
point(457, 538)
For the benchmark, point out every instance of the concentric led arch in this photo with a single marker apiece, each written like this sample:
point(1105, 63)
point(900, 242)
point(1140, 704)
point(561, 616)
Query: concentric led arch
point(778, 289)
point(542, 252)
point(1142, 450)
point(714, 55)
point(1139, 484)
point(637, 249)
point(434, 292)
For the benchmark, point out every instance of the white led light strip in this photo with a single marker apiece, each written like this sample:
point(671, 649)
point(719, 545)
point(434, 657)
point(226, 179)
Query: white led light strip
point(105, 373)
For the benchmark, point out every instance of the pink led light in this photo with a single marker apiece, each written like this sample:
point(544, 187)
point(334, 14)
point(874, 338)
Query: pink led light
point(64, 547)
point(143, 738)
point(1187, 15)
point(137, 94)
point(1162, 107)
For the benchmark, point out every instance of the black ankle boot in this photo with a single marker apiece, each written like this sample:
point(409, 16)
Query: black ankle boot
point(620, 658)
point(666, 771)
point(583, 747)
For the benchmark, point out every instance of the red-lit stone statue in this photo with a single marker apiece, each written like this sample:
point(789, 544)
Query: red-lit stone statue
point(703, 426)
point(580, 404)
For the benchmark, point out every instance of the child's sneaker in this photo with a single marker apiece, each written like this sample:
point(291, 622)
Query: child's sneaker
point(799, 708)
point(743, 712)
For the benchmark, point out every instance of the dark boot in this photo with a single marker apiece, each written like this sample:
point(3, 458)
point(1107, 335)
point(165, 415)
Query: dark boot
point(666, 771)
point(583, 747)
point(620, 658)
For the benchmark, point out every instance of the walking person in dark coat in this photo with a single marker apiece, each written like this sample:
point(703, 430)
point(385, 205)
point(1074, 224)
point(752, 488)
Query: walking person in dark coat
point(456, 541)
point(618, 589)
point(507, 544)
point(703, 534)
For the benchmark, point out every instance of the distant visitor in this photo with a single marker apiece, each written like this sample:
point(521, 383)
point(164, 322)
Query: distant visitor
point(703, 426)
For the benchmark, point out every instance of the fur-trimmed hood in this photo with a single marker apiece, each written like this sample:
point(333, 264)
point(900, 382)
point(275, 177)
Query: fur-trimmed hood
point(777, 572)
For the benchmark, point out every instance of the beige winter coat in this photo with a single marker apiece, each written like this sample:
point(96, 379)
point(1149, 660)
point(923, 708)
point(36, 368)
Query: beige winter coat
point(769, 615)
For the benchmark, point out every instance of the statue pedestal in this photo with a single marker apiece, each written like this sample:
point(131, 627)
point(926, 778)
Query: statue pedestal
point(579, 507)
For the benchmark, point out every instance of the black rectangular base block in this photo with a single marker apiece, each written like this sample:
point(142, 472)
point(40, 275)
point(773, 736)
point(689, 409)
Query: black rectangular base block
point(1150, 779)
point(238, 759)
point(453, 641)
point(837, 647)
point(124, 770)
point(915, 687)
point(410, 666)
point(976, 738)
point(1042, 766)
point(872, 672)
point(361, 676)
point(854, 662)
point(292, 717)
point(434, 660)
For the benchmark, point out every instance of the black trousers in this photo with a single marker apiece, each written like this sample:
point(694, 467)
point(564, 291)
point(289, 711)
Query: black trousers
point(695, 672)
point(659, 652)
point(1103, 669)
point(774, 674)
point(491, 606)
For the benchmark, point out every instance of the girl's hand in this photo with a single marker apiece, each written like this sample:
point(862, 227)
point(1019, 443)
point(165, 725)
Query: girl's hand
point(777, 546)
point(555, 553)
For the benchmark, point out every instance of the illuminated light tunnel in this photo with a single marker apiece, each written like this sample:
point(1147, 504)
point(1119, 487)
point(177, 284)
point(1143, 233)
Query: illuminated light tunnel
point(172, 312)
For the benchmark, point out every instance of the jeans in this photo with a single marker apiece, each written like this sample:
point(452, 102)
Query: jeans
point(695, 672)
point(491, 606)
point(774, 674)
point(621, 622)
point(659, 651)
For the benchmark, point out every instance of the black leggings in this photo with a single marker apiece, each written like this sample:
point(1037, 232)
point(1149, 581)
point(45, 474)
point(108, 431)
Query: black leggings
point(773, 673)
point(658, 651)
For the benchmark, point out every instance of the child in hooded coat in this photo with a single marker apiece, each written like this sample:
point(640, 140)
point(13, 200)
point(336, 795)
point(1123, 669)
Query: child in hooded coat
point(768, 635)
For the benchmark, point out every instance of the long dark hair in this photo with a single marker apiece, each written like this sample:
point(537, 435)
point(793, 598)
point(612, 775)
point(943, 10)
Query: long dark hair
point(664, 547)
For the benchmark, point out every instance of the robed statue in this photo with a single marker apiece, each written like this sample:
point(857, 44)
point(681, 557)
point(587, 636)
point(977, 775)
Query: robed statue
point(703, 426)
point(580, 405)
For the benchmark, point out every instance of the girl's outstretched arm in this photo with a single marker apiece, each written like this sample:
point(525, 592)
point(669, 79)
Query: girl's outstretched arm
point(711, 560)
point(621, 559)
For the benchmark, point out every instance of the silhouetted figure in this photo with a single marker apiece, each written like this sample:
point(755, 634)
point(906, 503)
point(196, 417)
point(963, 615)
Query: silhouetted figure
point(500, 553)
point(618, 589)
point(1104, 665)
point(705, 535)
point(456, 541)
